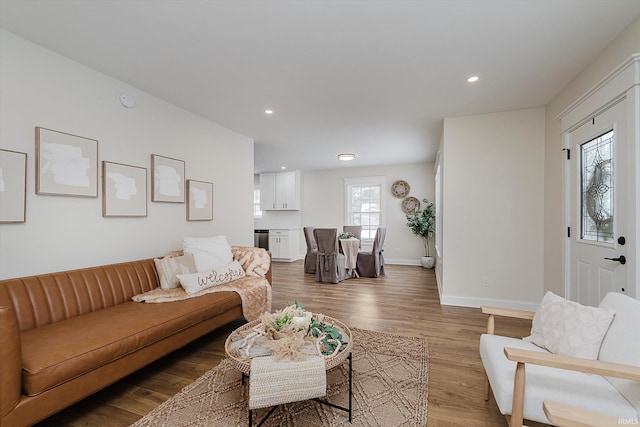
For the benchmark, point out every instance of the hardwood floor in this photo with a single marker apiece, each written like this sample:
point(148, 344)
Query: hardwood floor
point(405, 302)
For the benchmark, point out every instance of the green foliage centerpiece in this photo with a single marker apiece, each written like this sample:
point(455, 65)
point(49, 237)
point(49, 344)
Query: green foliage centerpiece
point(293, 333)
point(291, 320)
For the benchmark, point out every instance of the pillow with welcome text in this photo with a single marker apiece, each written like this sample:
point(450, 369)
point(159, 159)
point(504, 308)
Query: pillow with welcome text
point(195, 282)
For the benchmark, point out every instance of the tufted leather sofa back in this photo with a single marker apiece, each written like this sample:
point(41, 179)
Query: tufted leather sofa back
point(48, 298)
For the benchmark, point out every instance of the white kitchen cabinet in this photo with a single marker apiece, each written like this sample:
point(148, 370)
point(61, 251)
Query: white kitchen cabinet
point(280, 191)
point(284, 244)
point(267, 191)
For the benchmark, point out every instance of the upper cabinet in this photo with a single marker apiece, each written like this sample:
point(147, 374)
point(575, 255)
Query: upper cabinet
point(280, 191)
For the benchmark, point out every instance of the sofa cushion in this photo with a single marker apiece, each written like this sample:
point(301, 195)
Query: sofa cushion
point(569, 328)
point(169, 267)
point(622, 342)
point(64, 350)
point(193, 283)
point(208, 252)
point(543, 383)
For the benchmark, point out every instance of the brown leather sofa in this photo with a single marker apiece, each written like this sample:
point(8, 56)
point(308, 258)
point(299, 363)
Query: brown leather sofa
point(66, 335)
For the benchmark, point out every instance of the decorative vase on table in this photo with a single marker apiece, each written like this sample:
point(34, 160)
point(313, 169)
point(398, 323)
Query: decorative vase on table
point(423, 223)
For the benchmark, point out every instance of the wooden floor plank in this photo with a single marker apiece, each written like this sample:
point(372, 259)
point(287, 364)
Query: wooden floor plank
point(404, 301)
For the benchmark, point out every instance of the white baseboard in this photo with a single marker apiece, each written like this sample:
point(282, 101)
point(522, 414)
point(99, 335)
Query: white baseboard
point(400, 261)
point(286, 259)
point(477, 302)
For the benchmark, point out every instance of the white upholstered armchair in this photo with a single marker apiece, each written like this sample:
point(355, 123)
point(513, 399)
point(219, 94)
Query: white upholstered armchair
point(604, 379)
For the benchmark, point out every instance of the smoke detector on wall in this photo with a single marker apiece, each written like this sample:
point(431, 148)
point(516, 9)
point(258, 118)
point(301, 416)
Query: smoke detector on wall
point(127, 100)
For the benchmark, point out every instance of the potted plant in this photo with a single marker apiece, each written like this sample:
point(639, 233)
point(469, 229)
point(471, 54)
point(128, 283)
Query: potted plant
point(423, 223)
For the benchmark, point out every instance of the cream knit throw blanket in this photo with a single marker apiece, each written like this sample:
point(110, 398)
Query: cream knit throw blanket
point(273, 382)
point(255, 293)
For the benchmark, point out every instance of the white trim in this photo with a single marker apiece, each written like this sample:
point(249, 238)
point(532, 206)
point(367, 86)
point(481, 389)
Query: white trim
point(607, 91)
point(566, 194)
point(478, 302)
point(365, 180)
point(402, 261)
point(623, 82)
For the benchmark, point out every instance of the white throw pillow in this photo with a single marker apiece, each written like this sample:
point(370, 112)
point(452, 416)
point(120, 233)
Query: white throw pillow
point(170, 266)
point(566, 327)
point(196, 282)
point(208, 252)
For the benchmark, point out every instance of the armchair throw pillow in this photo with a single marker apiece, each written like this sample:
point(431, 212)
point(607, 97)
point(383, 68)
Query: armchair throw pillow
point(569, 328)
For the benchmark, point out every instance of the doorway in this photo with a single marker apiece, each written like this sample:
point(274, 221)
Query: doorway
point(598, 214)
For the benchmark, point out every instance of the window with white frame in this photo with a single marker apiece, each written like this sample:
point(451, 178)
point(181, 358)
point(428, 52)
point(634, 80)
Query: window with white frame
point(257, 213)
point(364, 204)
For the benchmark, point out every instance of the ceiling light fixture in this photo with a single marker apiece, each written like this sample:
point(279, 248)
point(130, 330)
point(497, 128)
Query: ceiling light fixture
point(283, 167)
point(268, 111)
point(473, 79)
point(345, 157)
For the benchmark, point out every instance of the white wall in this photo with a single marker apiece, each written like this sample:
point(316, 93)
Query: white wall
point(41, 88)
point(324, 204)
point(627, 43)
point(493, 205)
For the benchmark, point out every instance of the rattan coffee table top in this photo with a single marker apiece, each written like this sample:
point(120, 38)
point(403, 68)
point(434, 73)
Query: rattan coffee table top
point(244, 365)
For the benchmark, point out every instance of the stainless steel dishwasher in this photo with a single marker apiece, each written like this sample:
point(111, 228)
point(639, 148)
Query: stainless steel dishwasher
point(261, 239)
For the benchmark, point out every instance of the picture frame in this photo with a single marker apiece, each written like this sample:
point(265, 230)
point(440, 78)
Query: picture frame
point(168, 180)
point(13, 186)
point(200, 200)
point(124, 190)
point(66, 164)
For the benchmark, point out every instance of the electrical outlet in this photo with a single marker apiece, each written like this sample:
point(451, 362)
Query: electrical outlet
point(485, 281)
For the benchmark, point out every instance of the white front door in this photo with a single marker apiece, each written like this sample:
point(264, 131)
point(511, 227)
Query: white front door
point(598, 218)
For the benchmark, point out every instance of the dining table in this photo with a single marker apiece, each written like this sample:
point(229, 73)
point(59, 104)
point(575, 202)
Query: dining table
point(349, 248)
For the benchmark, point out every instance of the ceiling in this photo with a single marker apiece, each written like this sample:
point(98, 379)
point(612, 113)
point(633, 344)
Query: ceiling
point(375, 78)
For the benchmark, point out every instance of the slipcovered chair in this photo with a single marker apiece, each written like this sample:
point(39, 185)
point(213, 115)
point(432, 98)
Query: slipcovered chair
point(311, 258)
point(586, 357)
point(356, 230)
point(331, 264)
point(371, 264)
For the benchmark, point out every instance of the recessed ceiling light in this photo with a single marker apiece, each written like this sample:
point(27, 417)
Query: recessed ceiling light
point(283, 167)
point(473, 79)
point(268, 111)
point(345, 157)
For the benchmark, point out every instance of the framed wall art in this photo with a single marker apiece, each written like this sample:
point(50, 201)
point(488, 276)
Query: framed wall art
point(200, 200)
point(124, 190)
point(167, 176)
point(13, 186)
point(66, 165)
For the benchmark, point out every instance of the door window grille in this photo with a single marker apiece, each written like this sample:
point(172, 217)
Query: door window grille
point(597, 188)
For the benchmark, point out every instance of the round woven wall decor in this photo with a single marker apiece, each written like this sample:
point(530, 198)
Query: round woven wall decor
point(410, 205)
point(400, 189)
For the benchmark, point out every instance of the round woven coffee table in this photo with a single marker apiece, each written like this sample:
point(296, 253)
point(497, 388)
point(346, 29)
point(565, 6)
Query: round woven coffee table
point(244, 364)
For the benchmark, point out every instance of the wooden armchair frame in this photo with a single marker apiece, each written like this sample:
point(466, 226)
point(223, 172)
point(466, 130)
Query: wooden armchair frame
point(562, 415)
point(522, 357)
point(491, 328)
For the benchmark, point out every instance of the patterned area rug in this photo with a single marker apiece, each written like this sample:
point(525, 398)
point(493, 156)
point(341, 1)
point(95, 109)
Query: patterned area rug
point(390, 376)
